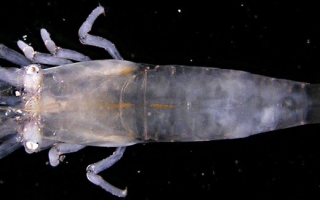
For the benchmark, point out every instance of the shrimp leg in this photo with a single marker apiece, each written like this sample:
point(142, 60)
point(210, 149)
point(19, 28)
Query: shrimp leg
point(94, 169)
point(41, 58)
point(13, 56)
point(58, 56)
point(62, 148)
point(86, 38)
point(10, 144)
point(61, 52)
point(11, 76)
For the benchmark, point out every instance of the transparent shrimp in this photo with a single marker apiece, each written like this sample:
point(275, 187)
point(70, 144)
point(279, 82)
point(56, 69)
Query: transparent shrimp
point(117, 103)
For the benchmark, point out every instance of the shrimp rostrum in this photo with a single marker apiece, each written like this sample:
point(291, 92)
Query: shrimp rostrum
point(117, 103)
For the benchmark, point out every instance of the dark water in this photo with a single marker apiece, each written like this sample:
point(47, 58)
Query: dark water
point(270, 38)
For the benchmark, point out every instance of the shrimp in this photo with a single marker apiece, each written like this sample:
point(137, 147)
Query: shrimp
point(116, 103)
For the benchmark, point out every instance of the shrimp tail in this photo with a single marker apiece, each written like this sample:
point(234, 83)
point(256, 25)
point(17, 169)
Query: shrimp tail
point(201, 104)
point(313, 92)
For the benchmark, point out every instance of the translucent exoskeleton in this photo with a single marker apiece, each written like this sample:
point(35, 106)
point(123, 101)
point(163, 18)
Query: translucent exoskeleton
point(117, 103)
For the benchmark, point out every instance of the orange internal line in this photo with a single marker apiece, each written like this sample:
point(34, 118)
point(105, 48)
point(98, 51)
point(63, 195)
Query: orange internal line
point(126, 70)
point(119, 105)
point(158, 105)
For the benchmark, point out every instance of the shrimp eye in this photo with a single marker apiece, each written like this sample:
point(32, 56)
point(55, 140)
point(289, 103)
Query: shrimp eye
point(32, 145)
point(32, 137)
point(33, 69)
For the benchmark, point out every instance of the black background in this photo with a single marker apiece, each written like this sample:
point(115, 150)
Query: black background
point(270, 38)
